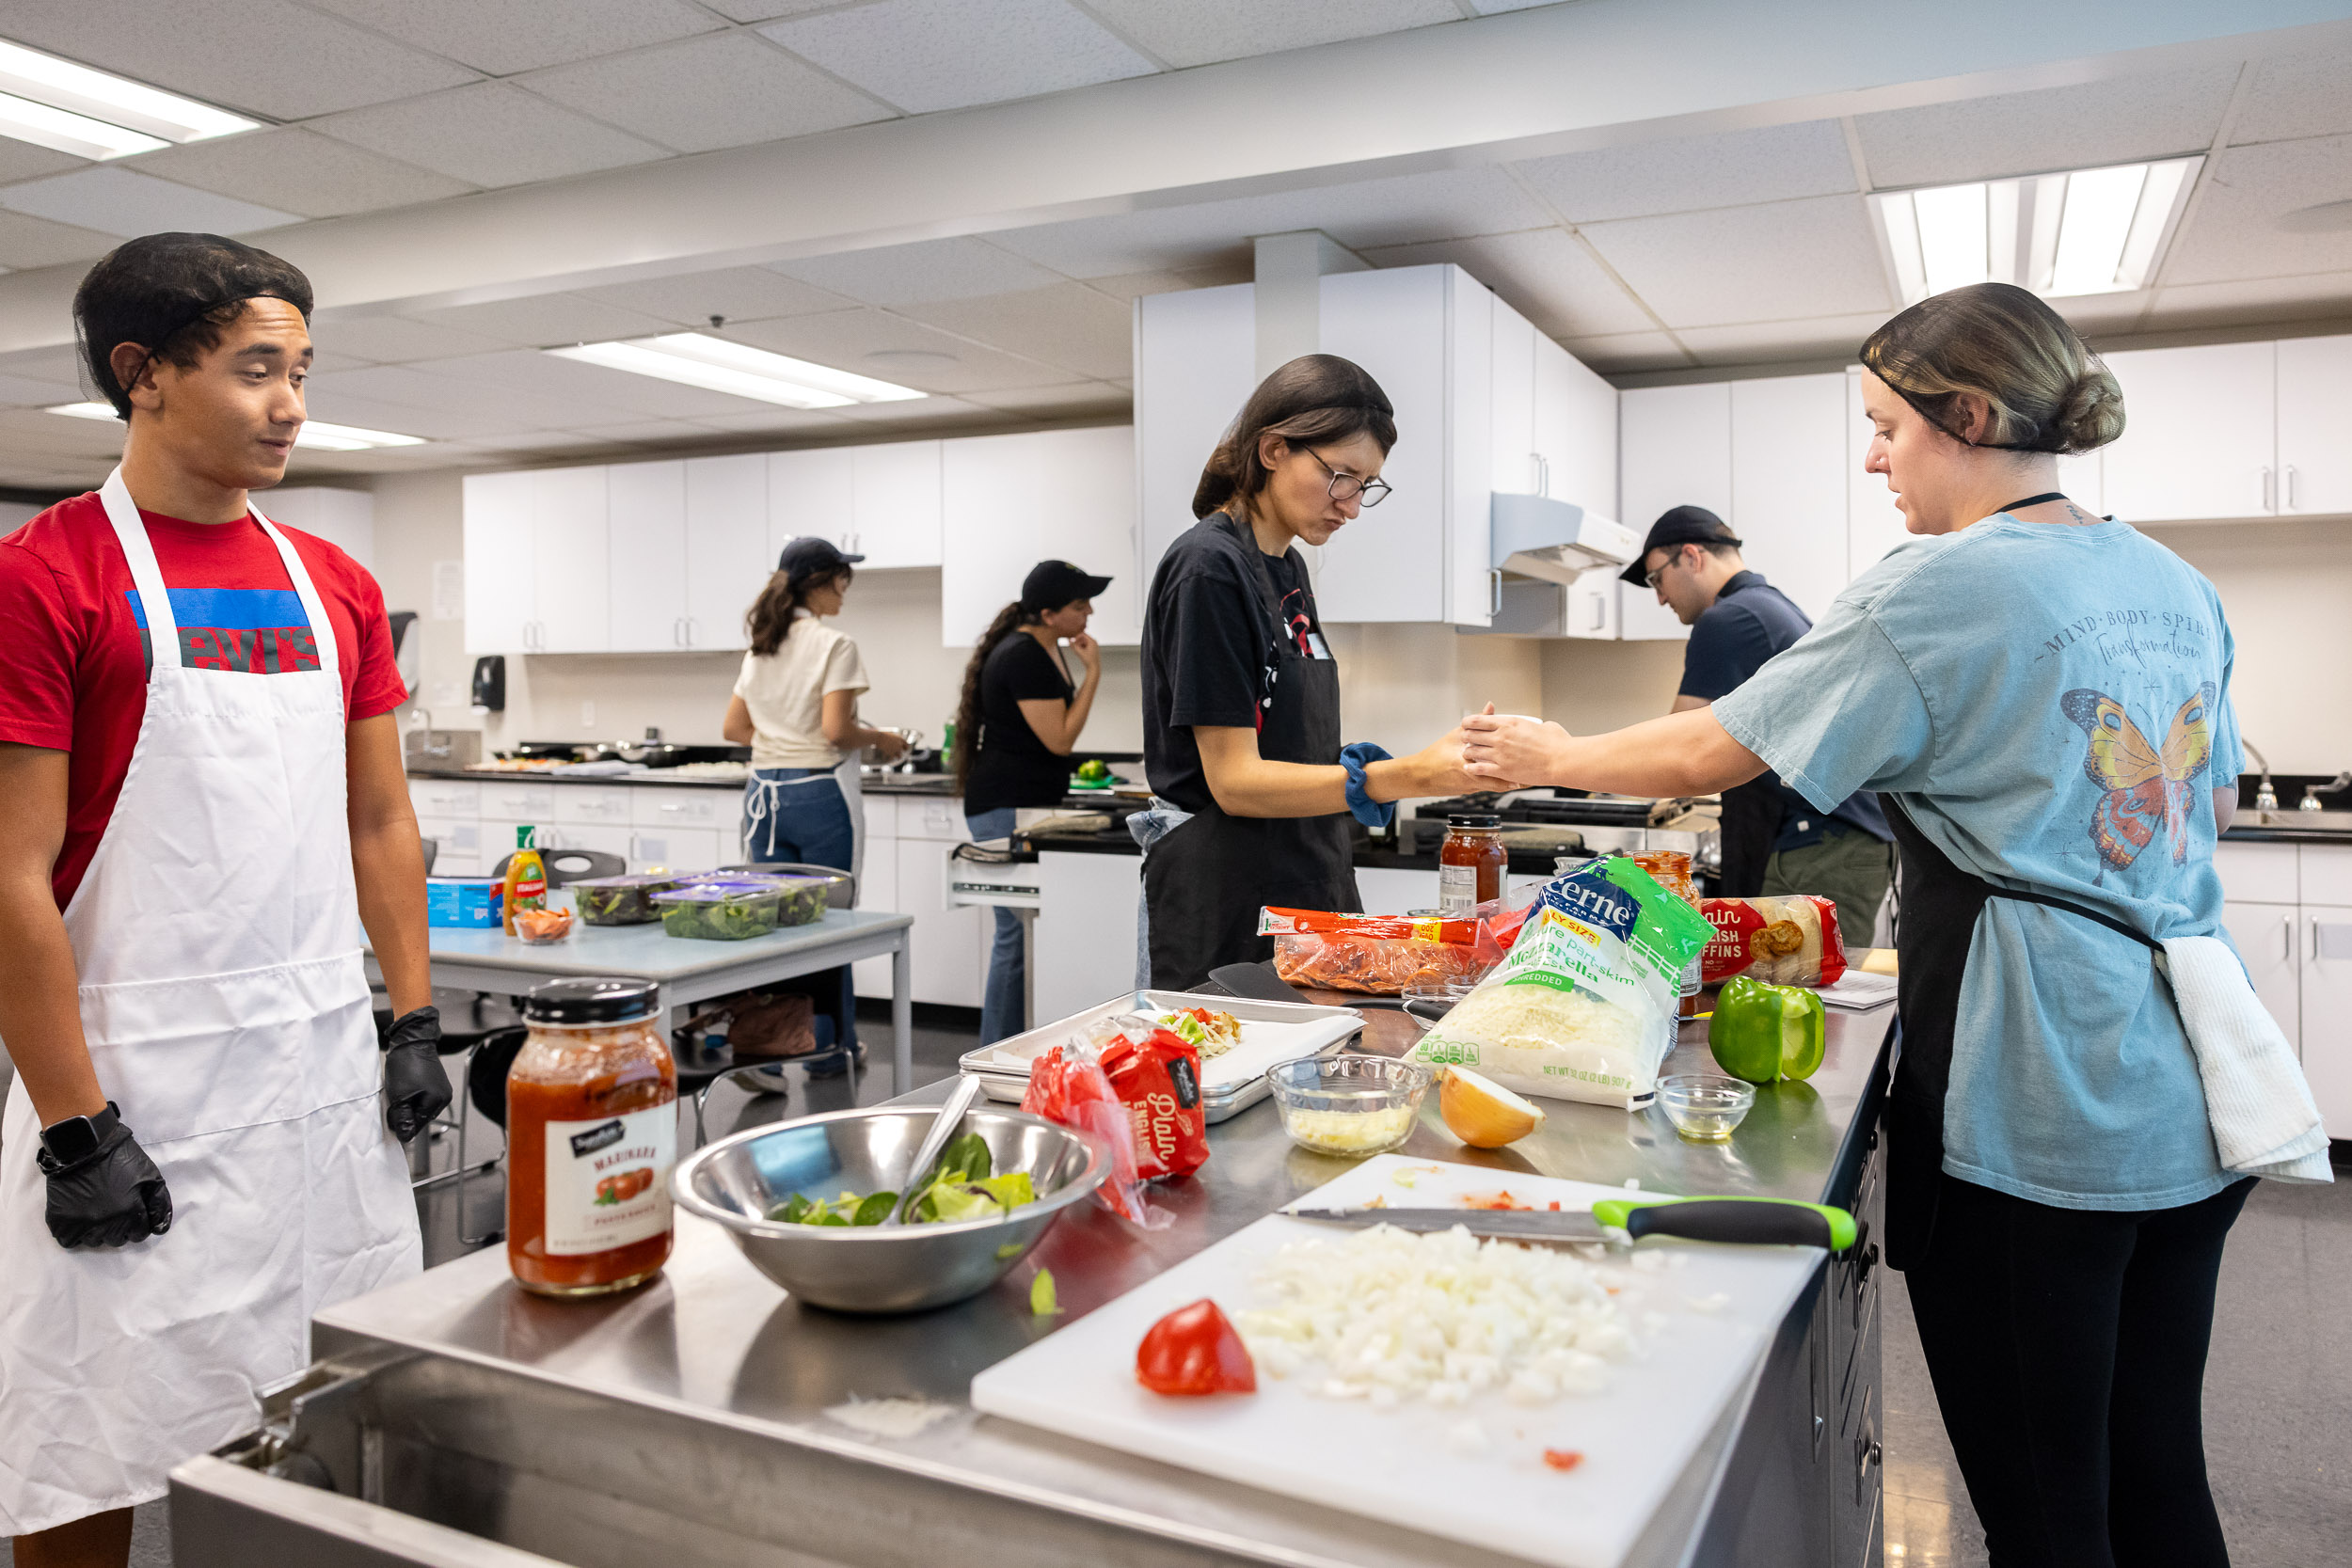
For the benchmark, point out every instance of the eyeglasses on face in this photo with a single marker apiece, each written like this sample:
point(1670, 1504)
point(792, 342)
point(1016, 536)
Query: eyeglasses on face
point(1348, 487)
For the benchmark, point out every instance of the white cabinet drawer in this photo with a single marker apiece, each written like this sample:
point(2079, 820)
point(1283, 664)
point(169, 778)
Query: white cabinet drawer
point(458, 841)
point(676, 848)
point(933, 816)
point(684, 808)
point(584, 803)
point(2256, 873)
point(524, 803)
point(2326, 873)
point(604, 838)
point(882, 816)
point(445, 796)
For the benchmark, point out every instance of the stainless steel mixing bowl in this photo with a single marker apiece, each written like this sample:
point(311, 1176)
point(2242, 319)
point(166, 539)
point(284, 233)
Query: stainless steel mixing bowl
point(736, 1182)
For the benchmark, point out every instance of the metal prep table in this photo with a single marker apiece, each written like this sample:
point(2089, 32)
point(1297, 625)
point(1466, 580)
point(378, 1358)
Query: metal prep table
point(686, 972)
point(457, 1420)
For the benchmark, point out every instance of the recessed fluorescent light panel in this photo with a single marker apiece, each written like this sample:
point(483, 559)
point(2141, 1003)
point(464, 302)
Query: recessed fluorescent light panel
point(71, 109)
point(698, 359)
point(2087, 231)
point(314, 432)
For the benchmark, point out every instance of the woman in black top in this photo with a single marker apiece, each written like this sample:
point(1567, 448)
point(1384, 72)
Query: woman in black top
point(1240, 699)
point(1022, 717)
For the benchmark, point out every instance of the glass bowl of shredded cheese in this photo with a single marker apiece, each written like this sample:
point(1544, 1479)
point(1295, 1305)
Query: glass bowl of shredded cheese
point(1349, 1105)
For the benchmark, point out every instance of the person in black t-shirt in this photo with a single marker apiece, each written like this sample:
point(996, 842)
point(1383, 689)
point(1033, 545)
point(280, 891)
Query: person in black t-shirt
point(1015, 725)
point(1241, 698)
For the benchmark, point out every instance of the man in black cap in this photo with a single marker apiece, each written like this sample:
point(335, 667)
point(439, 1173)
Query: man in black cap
point(1773, 841)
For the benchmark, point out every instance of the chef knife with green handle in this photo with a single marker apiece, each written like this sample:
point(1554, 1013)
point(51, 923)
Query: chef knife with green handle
point(1753, 1221)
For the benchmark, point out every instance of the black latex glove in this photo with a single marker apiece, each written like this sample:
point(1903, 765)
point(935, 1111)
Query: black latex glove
point(110, 1198)
point(416, 1086)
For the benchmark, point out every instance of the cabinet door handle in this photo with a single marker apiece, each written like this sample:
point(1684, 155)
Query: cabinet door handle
point(2270, 491)
point(1601, 613)
point(1494, 594)
point(689, 631)
point(2291, 503)
point(2286, 937)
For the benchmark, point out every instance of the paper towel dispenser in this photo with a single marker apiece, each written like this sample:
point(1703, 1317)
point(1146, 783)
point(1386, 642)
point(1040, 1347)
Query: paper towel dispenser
point(1535, 536)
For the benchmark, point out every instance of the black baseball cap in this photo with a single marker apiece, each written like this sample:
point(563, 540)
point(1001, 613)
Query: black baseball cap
point(1051, 585)
point(809, 557)
point(1682, 525)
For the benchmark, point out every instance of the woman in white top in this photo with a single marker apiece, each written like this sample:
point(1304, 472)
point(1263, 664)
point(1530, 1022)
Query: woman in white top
point(795, 704)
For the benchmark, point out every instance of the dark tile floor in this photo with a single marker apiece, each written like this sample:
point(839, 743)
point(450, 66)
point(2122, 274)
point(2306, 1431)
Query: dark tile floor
point(2278, 1388)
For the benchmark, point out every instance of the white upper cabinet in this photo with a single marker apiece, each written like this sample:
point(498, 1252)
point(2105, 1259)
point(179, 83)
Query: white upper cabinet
point(2314, 426)
point(811, 493)
point(646, 502)
point(1196, 359)
point(1574, 430)
point(345, 518)
point(894, 500)
point(501, 593)
point(569, 545)
point(726, 545)
point(1789, 489)
point(2200, 434)
point(1015, 500)
point(1515, 464)
point(1673, 446)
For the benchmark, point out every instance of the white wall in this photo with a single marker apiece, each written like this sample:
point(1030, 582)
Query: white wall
point(892, 614)
point(1590, 687)
point(1402, 687)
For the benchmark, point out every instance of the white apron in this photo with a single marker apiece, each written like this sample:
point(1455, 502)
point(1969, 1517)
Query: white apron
point(217, 943)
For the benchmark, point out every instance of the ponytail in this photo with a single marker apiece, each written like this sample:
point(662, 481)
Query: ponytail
point(770, 617)
point(1007, 620)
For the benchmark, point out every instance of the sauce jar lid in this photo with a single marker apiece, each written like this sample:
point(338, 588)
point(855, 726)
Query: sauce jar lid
point(596, 1001)
point(1473, 819)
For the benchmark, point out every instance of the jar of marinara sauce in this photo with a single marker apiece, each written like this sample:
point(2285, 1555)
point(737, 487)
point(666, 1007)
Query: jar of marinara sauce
point(1470, 863)
point(591, 1137)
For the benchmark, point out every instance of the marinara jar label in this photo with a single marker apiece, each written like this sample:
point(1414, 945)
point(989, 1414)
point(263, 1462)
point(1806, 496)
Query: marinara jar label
point(608, 1179)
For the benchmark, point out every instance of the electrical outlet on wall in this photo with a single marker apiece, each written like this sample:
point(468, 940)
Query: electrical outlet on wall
point(588, 716)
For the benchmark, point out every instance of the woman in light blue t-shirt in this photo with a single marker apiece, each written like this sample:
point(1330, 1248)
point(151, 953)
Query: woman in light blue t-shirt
point(2041, 696)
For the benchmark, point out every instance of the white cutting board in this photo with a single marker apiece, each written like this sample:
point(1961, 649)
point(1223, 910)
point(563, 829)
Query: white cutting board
point(1396, 1465)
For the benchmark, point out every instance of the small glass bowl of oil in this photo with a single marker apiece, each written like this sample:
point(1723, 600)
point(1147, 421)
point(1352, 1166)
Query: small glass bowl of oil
point(1706, 1106)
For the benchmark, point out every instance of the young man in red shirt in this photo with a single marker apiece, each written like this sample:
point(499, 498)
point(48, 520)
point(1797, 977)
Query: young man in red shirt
point(205, 806)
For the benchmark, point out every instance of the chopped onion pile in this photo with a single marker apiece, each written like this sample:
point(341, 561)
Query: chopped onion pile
point(1391, 1315)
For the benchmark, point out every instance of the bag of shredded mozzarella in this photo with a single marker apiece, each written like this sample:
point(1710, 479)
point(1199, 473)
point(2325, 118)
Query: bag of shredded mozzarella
point(1584, 1006)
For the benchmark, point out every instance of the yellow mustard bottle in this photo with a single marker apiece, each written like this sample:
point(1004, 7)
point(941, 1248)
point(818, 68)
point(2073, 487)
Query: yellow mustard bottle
point(526, 884)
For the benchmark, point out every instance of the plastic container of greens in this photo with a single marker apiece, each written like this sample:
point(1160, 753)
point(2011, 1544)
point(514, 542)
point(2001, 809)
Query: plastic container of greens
point(805, 899)
point(621, 900)
point(721, 912)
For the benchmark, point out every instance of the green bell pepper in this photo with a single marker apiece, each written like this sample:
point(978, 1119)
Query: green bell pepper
point(1762, 1033)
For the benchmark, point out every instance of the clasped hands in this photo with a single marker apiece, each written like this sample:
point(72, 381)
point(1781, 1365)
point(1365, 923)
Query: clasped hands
point(1490, 750)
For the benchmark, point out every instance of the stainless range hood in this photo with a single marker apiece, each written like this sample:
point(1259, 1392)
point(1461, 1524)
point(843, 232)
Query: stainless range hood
point(1535, 536)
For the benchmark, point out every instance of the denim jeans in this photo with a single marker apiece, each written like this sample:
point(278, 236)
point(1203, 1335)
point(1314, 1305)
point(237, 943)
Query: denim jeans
point(1147, 827)
point(1003, 1003)
point(797, 815)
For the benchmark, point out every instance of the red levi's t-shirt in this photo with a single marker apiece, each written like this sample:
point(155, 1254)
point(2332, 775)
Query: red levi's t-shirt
point(73, 669)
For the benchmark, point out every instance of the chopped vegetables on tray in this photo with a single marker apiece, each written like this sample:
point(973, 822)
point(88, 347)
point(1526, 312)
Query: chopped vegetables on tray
point(1212, 1033)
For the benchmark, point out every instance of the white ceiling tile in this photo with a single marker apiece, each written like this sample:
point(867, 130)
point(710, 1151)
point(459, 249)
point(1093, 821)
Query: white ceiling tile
point(931, 414)
point(2246, 222)
point(2052, 128)
point(926, 55)
point(21, 160)
point(1197, 32)
point(767, 10)
point(491, 133)
point(1543, 274)
point(267, 56)
point(569, 383)
point(1077, 400)
point(21, 391)
point(1767, 342)
point(299, 171)
point(60, 362)
point(781, 421)
point(1620, 352)
point(1775, 262)
point(1067, 324)
point(30, 242)
point(738, 293)
point(523, 34)
point(920, 273)
point(548, 321)
point(1495, 7)
point(2297, 96)
point(1134, 285)
point(1397, 209)
point(494, 408)
point(1685, 173)
point(122, 201)
point(651, 432)
point(330, 397)
point(398, 339)
point(849, 340)
point(31, 430)
point(2259, 299)
point(381, 460)
point(534, 443)
point(726, 90)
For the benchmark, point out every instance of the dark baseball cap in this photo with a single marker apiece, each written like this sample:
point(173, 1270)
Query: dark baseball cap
point(809, 557)
point(1682, 525)
point(1051, 585)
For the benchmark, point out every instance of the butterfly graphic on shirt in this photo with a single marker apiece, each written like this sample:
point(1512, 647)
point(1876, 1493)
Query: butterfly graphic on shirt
point(2146, 788)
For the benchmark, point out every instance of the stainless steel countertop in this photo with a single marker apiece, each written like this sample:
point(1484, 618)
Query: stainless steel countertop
point(715, 1341)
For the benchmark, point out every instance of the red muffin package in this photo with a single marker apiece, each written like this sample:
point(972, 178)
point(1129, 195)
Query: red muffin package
point(1158, 1080)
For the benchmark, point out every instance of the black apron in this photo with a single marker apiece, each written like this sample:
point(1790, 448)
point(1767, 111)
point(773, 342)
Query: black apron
point(1940, 906)
point(1204, 883)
